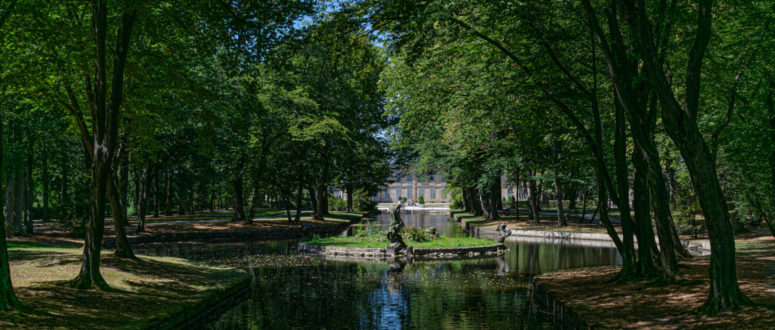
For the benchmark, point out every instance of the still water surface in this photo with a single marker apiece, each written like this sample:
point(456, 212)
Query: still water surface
point(293, 291)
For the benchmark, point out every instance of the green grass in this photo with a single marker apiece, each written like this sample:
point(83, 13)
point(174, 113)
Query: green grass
point(143, 291)
point(374, 242)
point(30, 245)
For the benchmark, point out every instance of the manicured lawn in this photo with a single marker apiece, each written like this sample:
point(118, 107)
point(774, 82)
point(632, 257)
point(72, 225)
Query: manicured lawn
point(144, 291)
point(373, 242)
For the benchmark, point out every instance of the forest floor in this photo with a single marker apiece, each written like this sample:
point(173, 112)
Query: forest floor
point(142, 291)
point(200, 223)
point(590, 293)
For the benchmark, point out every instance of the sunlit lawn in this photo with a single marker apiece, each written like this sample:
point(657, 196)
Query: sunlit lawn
point(143, 289)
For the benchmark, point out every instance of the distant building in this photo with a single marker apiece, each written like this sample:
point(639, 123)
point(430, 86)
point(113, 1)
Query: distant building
point(433, 189)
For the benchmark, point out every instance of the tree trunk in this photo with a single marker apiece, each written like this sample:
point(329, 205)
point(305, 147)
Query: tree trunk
point(142, 194)
point(629, 268)
point(584, 207)
point(560, 213)
point(349, 198)
point(532, 197)
point(28, 193)
point(181, 201)
point(253, 205)
point(641, 207)
point(771, 113)
point(322, 193)
point(123, 249)
point(46, 191)
point(299, 197)
point(7, 296)
point(313, 200)
point(239, 207)
point(89, 275)
point(64, 198)
point(156, 197)
point(602, 206)
point(168, 199)
point(14, 202)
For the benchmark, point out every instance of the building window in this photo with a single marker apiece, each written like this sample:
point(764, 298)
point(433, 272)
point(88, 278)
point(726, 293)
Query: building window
point(409, 177)
point(387, 194)
point(420, 193)
point(409, 193)
point(433, 193)
point(398, 193)
point(431, 178)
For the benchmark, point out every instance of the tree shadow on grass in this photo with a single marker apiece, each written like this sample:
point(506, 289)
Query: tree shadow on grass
point(156, 288)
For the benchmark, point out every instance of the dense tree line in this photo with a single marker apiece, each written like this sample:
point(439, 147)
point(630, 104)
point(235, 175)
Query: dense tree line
point(135, 108)
point(670, 100)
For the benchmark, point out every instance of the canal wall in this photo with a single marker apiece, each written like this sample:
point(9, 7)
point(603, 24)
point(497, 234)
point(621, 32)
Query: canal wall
point(562, 316)
point(380, 253)
point(189, 315)
point(700, 248)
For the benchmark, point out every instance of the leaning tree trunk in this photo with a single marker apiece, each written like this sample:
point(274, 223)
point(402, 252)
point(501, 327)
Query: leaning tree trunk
point(602, 206)
point(123, 249)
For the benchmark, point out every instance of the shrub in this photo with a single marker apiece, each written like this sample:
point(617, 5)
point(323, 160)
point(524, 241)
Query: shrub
point(421, 200)
point(361, 201)
point(416, 234)
point(337, 204)
point(372, 228)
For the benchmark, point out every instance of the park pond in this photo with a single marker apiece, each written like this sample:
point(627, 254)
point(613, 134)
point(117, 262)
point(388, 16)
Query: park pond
point(300, 291)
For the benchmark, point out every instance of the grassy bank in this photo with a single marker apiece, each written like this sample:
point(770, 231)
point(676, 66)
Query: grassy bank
point(642, 304)
point(144, 291)
point(381, 242)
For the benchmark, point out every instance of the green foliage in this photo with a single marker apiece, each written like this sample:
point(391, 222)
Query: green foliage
point(361, 201)
point(421, 200)
point(337, 204)
point(415, 234)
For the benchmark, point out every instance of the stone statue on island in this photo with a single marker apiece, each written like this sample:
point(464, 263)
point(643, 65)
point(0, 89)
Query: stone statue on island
point(504, 232)
point(397, 245)
point(395, 212)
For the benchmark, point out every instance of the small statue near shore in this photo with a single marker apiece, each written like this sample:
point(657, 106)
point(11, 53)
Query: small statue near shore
point(395, 212)
point(397, 245)
point(504, 232)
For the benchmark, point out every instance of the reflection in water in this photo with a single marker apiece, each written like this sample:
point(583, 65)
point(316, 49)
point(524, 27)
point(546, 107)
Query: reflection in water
point(295, 291)
point(367, 296)
point(425, 219)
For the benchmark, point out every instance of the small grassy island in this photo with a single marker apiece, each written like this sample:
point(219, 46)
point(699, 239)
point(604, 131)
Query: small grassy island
point(374, 237)
point(381, 242)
